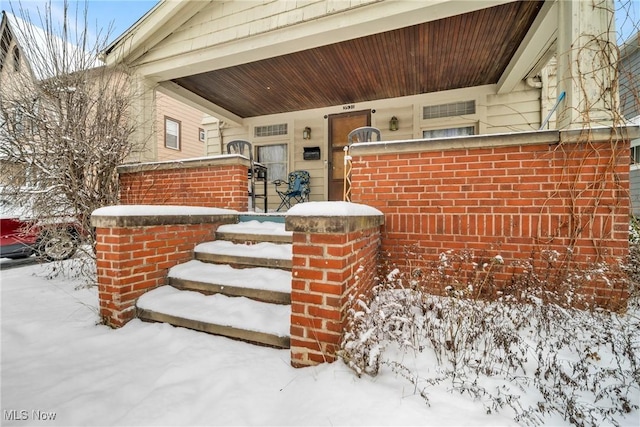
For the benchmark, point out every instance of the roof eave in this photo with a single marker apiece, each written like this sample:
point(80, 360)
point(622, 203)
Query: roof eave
point(152, 27)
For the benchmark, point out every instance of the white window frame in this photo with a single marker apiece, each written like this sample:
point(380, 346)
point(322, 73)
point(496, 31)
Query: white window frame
point(284, 161)
point(178, 124)
point(452, 128)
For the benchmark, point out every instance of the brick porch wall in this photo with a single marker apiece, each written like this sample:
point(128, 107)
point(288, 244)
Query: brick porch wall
point(219, 181)
point(511, 195)
point(135, 252)
point(334, 260)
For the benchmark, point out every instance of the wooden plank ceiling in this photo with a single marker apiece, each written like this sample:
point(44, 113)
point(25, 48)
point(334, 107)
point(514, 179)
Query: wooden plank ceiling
point(461, 51)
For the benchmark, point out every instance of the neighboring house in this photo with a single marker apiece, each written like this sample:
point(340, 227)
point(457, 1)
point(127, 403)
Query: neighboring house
point(629, 72)
point(180, 130)
point(269, 71)
point(180, 135)
point(13, 65)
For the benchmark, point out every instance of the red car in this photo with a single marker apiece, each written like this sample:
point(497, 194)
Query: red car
point(21, 237)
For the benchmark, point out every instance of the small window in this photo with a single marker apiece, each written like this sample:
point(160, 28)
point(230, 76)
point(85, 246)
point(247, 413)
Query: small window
point(274, 157)
point(449, 110)
point(271, 130)
point(449, 132)
point(16, 59)
point(635, 155)
point(171, 133)
point(201, 135)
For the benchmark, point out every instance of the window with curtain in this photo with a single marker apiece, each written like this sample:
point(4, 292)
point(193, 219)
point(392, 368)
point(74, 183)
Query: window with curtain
point(274, 157)
point(171, 133)
point(449, 132)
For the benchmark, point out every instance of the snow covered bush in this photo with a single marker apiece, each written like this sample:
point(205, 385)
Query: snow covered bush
point(526, 351)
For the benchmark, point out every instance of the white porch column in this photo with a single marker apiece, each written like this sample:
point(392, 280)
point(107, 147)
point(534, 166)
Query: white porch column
point(143, 116)
point(587, 58)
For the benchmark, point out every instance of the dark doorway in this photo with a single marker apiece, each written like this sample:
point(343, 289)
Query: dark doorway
point(339, 127)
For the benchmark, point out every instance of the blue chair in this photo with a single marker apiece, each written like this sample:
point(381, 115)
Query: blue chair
point(297, 190)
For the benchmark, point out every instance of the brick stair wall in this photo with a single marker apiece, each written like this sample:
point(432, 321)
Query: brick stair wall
point(219, 182)
point(134, 254)
point(334, 259)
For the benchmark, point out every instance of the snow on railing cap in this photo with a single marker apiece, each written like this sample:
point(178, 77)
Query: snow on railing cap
point(159, 210)
point(332, 209)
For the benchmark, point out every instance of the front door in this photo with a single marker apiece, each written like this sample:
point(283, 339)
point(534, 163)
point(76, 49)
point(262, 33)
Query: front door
point(339, 127)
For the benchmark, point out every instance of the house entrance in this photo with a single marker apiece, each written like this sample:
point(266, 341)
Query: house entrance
point(339, 127)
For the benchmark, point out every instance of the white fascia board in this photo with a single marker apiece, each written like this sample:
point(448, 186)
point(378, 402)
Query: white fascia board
point(536, 47)
point(354, 23)
point(149, 30)
point(181, 94)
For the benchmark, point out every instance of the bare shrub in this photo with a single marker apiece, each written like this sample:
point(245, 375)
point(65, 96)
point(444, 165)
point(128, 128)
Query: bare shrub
point(65, 121)
point(583, 364)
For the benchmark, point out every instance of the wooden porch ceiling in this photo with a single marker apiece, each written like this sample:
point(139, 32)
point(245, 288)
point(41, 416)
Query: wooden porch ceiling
point(461, 51)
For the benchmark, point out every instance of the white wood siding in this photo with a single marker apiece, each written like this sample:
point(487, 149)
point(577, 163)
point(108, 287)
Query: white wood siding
point(517, 111)
point(223, 22)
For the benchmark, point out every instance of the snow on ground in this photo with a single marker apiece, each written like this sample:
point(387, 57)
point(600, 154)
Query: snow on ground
point(57, 359)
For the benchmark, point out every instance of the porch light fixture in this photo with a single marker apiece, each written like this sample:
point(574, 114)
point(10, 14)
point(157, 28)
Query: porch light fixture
point(393, 123)
point(306, 133)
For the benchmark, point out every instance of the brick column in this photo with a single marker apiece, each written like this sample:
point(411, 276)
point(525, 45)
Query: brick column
point(334, 258)
point(136, 246)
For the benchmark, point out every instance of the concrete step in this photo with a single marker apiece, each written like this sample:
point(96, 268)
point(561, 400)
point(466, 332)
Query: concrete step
point(272, 217)
point(254, 231)
point(264, 254)
point(234, 317)
point(258, 283)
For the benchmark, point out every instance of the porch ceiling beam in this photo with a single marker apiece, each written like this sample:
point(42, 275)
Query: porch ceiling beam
point(173, 62)
point(187, 97)
point(534, 51)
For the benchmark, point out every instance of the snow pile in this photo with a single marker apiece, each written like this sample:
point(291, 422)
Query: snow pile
point(332, 209)
point(159, 210)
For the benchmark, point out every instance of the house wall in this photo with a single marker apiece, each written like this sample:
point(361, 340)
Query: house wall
point(629, 73)
point(517, 196)
point(629, 77)
point(190, 122)
point(634, 186)
point(517, 111)
point(12, 83)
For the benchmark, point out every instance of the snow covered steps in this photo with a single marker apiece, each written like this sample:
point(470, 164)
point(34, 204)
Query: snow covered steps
point(263, 254)
point(238, 286)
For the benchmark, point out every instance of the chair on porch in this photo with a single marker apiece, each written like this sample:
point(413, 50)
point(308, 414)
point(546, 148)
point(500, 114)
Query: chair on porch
point(363, 134)
point(256, 171)
point(297, 190)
